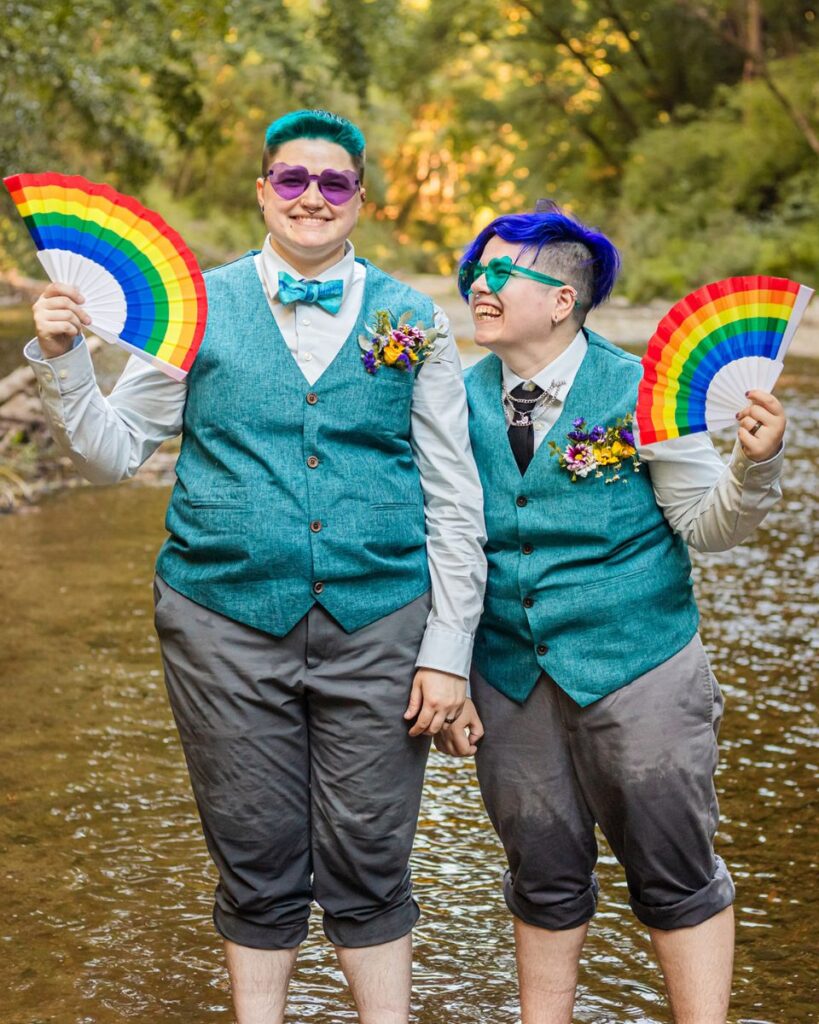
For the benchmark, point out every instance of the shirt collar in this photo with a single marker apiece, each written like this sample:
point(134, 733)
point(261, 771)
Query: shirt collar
point(273, 263)
point(561, 369)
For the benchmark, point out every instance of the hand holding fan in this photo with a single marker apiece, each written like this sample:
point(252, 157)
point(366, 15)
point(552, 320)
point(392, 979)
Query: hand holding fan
point(714, 345)
point(142, 287)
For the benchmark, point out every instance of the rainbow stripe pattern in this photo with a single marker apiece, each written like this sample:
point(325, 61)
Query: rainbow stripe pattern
point(710, 348)
point(142, 285)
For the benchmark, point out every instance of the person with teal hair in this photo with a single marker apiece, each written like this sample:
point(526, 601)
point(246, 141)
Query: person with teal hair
point(318, 592)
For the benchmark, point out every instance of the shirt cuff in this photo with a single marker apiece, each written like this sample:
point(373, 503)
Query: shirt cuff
point(63, 373)
point(444, 650)
point(762, 473)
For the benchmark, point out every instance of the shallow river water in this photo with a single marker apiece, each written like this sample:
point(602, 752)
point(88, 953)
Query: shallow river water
point(106, 886)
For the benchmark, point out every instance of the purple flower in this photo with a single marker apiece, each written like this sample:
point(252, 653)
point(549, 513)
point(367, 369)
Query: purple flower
point(369, 362)
point(579, 423)
point(597, 434)
point(577, 435)
point(579, 459)
point(404, 360)
point(626, 436)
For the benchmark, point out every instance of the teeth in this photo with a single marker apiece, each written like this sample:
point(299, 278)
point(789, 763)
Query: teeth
point(483, 312)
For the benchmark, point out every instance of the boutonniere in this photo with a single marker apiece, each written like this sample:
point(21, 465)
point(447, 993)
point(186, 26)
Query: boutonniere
point(403, 346)
point(600, 450)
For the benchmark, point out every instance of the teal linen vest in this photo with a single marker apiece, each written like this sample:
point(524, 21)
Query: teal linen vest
point(606, 585)
point(289, 494)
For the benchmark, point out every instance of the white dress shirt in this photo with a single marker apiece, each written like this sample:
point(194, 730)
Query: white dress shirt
point(108, 439)
point(712, 505)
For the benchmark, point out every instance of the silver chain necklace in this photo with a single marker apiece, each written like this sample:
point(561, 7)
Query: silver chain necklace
point(517, 418)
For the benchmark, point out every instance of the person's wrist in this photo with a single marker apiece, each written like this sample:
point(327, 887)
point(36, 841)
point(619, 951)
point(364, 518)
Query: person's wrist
point(52, 348)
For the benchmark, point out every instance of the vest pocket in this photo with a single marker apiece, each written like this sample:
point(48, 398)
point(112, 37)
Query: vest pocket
point(615, 580)
point(238, 504)
point(395, 506)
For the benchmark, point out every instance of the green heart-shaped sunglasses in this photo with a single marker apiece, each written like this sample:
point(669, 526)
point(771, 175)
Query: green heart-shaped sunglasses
point(498, 271)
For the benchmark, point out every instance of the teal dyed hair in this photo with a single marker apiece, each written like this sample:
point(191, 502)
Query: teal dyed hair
point(314, 124)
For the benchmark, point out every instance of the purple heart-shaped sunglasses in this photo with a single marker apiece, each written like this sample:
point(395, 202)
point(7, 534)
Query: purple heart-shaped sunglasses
point(289, 181)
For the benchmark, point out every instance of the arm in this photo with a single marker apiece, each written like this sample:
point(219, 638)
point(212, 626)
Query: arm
point(106, 439)
point(455, 534)
point(714, 506)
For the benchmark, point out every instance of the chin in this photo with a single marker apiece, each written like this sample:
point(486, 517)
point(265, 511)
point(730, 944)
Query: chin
point(485, 338)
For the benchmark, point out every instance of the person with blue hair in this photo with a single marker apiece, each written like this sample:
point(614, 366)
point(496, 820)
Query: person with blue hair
point(317, 596)
point(593, 701)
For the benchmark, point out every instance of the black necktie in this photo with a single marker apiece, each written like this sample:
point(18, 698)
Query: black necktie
point(522, 434)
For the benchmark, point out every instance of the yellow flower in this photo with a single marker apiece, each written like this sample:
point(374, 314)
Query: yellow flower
point(413, 358)
point(604, 456)
point(621, 450)
point(391, 352)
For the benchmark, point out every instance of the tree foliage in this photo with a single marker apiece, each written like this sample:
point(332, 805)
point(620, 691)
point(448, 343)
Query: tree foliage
point(684, 127)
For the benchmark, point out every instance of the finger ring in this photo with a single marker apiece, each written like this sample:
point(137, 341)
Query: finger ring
point(449, 721)
point(755, 428)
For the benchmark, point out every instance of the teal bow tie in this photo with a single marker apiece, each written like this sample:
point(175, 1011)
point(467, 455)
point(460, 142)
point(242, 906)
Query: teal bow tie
point(326, 294)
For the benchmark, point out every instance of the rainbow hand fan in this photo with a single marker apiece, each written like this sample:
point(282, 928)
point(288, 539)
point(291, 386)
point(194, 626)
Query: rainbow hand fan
point(710, 348)
point(142, 286)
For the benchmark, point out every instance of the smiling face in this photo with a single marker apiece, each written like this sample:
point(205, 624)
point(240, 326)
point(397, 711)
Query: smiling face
point(308, 231)
point(521, 314)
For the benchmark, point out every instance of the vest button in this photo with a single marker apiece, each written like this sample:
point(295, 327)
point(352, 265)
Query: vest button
point(312, 398)
point(521, 501)
point(318, 586)
point(315, 526)
point(528, 602)
point(542, 649)
point(312, 461)
point(527, 549)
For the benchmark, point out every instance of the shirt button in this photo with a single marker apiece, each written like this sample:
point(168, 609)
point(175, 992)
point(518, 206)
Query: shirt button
point(315, 526)
point(540, 426)
point(312, 398)
point(318, 586)
point(48, 376)
point(542, 649)
point(305, 322)
point(529, 385)
point(521, 501)
point(312, 461)
point(63, 374)
point(527, 549)
point(528, 602)
point(308, 357)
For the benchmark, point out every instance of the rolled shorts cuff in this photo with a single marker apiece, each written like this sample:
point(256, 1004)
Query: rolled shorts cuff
point(391, 924)
point(259, 936)
point(556, 916)
point(693, 910)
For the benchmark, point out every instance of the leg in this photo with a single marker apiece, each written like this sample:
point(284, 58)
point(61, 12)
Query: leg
point(697, 964)
point(238, 702)
point(547, 972)
point(380, 979)
point(259, 979)
point(647, 754)
point(367, 775)
point(531, 793)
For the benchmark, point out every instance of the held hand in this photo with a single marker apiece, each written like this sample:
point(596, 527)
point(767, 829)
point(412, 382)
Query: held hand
point(461, 738)
point(761, 426)
point(436, 696)
point(59, 318)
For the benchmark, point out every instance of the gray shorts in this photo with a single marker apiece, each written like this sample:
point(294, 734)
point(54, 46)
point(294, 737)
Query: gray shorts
point(307, 783)
point(640, 763)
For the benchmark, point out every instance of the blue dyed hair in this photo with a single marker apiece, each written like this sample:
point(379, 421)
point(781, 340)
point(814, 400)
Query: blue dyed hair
point(314, 124)
point(579, 255)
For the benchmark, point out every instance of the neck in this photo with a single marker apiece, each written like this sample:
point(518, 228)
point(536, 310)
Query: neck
point(308, 264)
point(529, 358)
